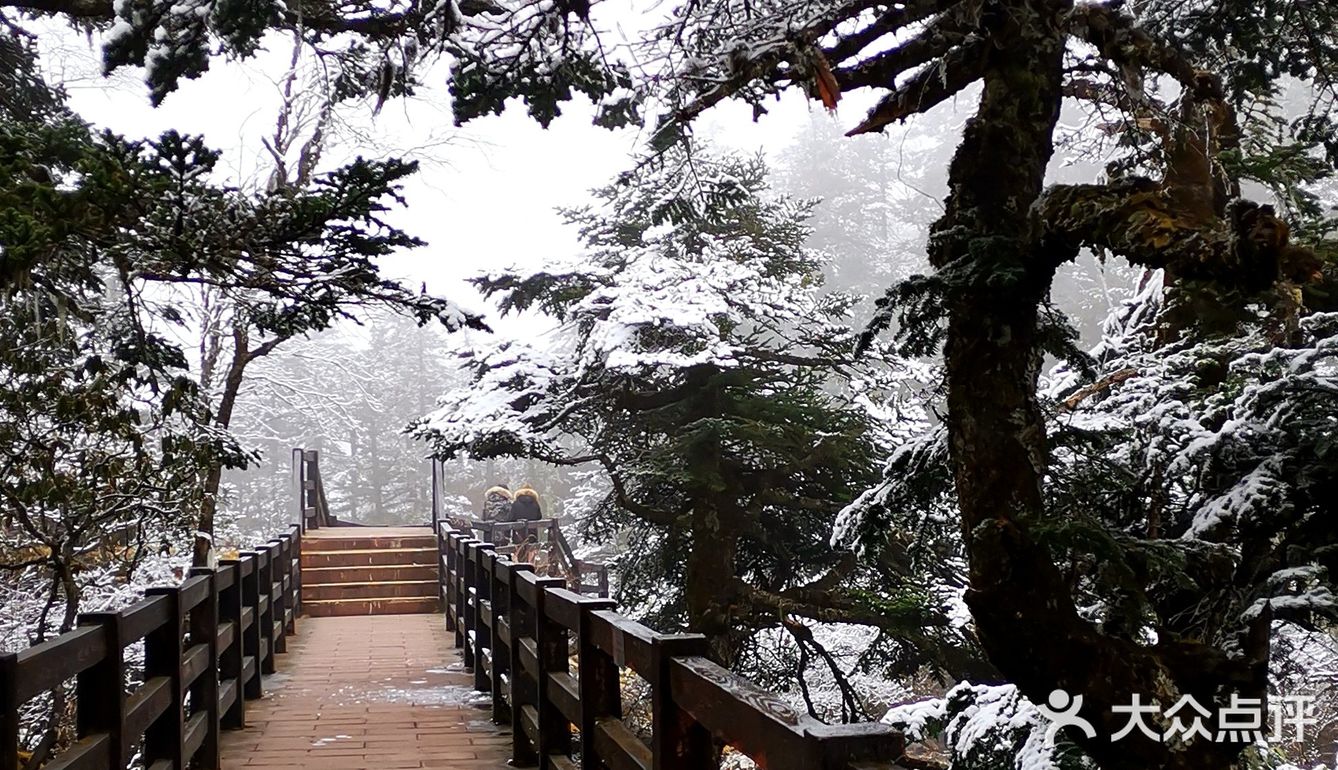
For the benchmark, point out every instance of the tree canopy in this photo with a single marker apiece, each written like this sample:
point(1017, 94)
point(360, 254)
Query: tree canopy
point(1142, 524)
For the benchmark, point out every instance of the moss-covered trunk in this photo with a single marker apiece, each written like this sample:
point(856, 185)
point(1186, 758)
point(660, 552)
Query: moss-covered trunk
point(1023, 609)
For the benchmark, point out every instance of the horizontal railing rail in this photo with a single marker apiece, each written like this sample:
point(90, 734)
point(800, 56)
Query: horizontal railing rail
point(206, 641)
point(517, 629)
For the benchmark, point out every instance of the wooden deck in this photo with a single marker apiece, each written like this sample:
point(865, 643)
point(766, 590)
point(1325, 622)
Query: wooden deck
point(355, 693)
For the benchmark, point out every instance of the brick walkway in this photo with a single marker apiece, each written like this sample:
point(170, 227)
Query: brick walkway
point(380, 691)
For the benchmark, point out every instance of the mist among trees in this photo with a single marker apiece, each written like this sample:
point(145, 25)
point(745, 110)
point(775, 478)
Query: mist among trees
point(1007, 369)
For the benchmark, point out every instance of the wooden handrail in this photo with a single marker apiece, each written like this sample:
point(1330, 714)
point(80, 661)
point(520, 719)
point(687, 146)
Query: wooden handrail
point(516, 628)
point(210, 637)
point(312, 505)
point(503, 534)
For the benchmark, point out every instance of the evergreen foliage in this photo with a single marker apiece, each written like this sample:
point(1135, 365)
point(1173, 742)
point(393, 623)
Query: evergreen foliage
point(697, 363)
point(105, 244)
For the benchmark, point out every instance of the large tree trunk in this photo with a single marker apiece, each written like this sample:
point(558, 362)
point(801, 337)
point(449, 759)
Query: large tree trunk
point(709, 581)
point(1023, 609)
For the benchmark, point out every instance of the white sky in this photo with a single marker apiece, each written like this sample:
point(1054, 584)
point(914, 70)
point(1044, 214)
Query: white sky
point(487, 193)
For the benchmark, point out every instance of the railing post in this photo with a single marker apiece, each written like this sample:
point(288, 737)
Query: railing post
point(482, 640)
point(9, 711)
point(204, 690)
point(467, 603)
point(251, 636)
point(462, 608)
point(265, 608)
point(295, 571)
point(282, 580)
point(436, 492)
point(164, 648)
point(483, 637)
point(278, 627)
point(550, 640)
point(521, 621)
point(597, 679)
point(323, 517)
point(678, 742)
point(231, 660)
point(501, 650)
point(444, 582)
point(100, 689)
point(299, 487)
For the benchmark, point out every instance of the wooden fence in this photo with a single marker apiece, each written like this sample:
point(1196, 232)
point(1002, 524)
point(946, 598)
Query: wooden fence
point(206, 644)
point(587, 577)
point(516, 630)
point(313, 509)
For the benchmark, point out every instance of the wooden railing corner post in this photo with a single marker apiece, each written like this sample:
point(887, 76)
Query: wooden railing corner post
point(100, 689)
point(678, 742)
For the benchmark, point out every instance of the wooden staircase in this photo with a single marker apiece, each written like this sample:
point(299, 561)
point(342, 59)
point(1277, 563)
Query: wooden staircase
point(369, 571)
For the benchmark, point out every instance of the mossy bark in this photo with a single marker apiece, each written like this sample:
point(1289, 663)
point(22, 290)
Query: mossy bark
point(1023, 608)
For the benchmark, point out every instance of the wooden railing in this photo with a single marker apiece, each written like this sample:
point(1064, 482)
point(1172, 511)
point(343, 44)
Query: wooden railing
point(313, 509)
point(516, 631)
point(206, 644)
point(587, 577)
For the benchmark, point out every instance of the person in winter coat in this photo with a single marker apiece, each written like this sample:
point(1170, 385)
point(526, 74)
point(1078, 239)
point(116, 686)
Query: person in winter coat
point(497, 503)
point(525, 506)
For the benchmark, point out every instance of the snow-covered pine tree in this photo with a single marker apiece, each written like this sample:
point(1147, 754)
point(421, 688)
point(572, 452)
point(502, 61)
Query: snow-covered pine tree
point(698, 363)
point(1168, 203)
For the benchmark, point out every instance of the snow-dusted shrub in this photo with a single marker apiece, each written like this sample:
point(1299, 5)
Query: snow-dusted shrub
point(987, 727)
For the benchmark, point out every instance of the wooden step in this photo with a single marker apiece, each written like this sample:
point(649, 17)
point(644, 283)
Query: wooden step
point(376, 573)
point(362, 557)
point(370, 590)
point(353, 542)
point(385, 605)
